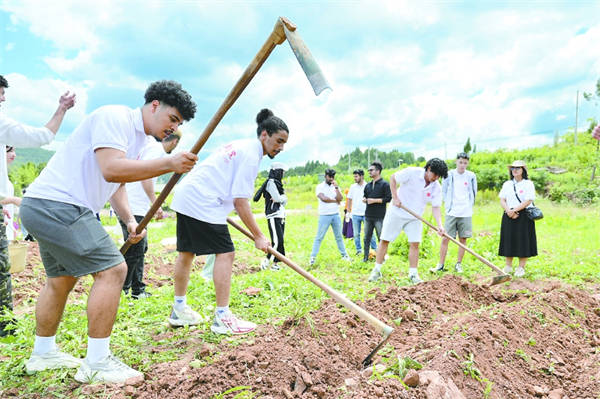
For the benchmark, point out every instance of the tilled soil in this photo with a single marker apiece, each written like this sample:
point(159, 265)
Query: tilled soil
point(538, 340)
point(522, 340)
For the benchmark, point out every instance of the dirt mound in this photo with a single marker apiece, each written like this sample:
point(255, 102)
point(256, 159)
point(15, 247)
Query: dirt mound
point(531, 340)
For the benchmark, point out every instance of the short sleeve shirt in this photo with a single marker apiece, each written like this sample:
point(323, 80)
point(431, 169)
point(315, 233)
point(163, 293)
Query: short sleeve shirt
point(73, 175)
point(525, 190)
point(356, 194)
point(207, 192)
point(413, 193)
point(327, 208)
point(138, 199)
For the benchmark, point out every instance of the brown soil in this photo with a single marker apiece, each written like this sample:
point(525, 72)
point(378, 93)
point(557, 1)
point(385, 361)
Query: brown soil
point(535, 340)
point(527, 340)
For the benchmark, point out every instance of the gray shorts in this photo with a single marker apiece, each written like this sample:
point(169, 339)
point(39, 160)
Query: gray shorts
point(460, 225)
point(72, 241)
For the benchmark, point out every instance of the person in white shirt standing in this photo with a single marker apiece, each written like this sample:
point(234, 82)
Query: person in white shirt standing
point(412, 188)
point(141, 195)
point(15, 134)
point(517, 232)
point(275, 202)
point(216, 186)
point(329, 196)
point(59, 208)
point(459, 191)
point(357, 207)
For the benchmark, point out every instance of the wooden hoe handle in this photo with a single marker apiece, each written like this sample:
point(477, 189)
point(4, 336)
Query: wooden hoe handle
point(340, 298)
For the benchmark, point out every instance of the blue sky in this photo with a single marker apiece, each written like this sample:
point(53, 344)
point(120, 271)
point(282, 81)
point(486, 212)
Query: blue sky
point(407, 75)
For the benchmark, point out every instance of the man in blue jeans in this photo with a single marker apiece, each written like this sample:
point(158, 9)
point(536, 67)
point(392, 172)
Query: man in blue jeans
point(376, 195)
point(356, 206)
point(329, 195)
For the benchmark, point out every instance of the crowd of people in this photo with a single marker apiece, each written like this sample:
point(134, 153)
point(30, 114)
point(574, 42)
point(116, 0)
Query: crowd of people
point(115, 154)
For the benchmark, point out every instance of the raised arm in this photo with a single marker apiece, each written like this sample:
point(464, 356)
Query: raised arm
point(65, 102)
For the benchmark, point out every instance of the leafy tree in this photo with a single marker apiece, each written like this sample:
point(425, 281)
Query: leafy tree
point(467, 147)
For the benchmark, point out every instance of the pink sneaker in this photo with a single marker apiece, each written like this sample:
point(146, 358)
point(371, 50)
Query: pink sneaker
point(230, 324)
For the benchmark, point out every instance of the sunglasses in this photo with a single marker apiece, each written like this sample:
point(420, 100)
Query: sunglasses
point(515, 167)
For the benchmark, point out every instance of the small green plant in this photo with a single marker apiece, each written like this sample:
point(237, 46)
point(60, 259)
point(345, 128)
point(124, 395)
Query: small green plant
point(521, 353)
point(469, 369)
point(531, 341)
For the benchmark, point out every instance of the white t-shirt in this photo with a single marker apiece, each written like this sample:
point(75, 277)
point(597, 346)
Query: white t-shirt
point(138, 199)
point(413, 193)
point(73, 175)
point(15, 134)
point(356, 194)
point(461, 203)
point(207, 192)
point(327, 208)
point(525, 190)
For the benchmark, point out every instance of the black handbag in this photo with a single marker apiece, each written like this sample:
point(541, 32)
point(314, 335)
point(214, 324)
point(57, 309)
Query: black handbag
point(533, 212)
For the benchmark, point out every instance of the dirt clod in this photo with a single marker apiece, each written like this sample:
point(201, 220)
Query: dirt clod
point(411, 379)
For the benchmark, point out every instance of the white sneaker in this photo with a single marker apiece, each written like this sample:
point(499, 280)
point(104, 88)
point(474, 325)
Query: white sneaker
point(275, 266)
point(507, 270)
point(519, 272)
point(51, 360)
point(437, 269)
point(458, 267)
point(312, 260)
point(184, 317)
point(375, 275)
point(415, 279)
point(110, 369)
point(346, 258)
point(264, 265)
point(230, 324)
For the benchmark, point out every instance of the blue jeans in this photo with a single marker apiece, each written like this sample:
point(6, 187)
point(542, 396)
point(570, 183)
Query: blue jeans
point(356, 223)
point(336, 224)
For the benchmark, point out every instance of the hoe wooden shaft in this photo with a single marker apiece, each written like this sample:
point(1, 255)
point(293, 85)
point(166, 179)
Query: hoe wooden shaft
point(275, 38)
point(340, 298)
point(469, 250)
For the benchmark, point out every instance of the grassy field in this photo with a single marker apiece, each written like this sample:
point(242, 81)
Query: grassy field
point(568, 243)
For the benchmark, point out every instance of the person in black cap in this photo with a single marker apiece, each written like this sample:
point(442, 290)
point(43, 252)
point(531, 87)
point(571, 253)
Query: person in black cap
point(329, 195)
point(275, 201)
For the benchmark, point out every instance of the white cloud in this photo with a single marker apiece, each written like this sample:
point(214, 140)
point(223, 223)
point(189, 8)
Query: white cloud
point(9, 46)
point(33, 101)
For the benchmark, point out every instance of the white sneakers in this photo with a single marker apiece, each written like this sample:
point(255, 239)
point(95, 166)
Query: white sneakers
point(51, 360)
point(184, 317)
point(375, 275)
point(415, 279)
point(266, 264)
point(519, 271)
point(229, 324)
point(110, 370)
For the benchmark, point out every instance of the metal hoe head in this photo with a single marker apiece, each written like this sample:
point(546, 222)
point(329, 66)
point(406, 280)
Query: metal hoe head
point(307, 62)
point(502, 278)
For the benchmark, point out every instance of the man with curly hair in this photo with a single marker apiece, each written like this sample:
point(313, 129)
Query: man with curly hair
point(15, 134)
point(412, 188)
point(92, 167)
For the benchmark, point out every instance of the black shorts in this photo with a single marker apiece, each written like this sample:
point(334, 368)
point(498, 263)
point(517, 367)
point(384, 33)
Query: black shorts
point(202, 238)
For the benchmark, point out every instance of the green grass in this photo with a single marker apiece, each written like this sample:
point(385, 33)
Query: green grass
point(568, 251)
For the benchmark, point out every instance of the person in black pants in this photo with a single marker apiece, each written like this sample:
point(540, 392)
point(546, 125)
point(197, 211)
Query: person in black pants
point(377, 195)
point(275, 201)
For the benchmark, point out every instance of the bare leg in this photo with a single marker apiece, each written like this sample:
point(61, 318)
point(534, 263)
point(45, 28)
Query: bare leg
point(51, 304)
point(509, 261)
point(461, 250)
point(183, 266)
point(381, 251)
point(222, 277)
point(103, 301)
point(522, 262)
point(443, 250)
point(413, 255)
